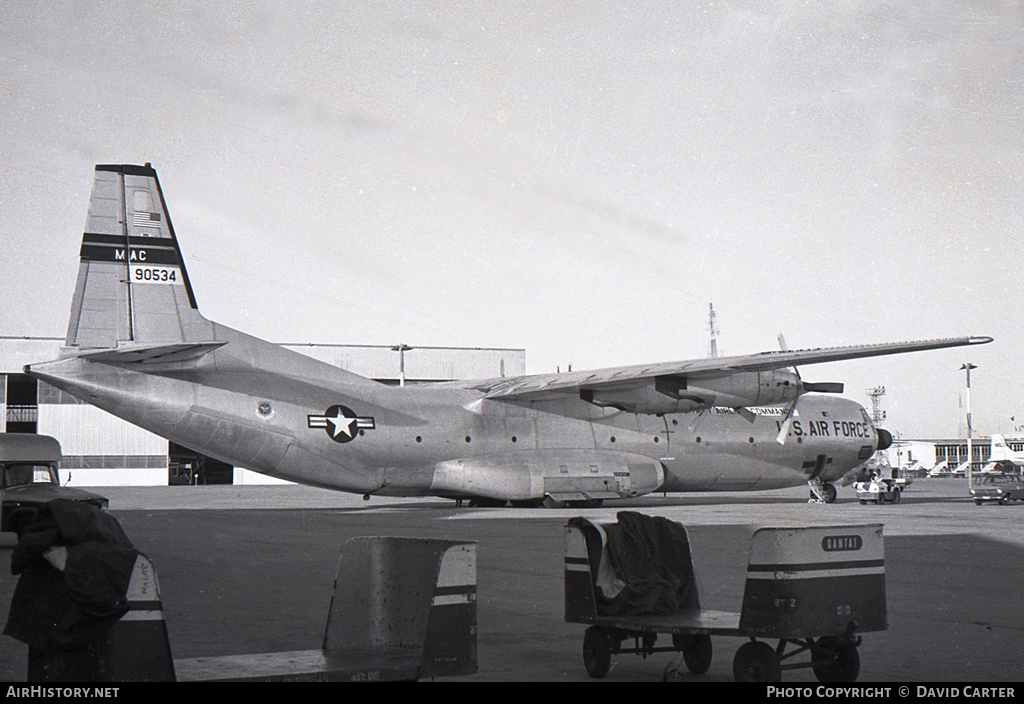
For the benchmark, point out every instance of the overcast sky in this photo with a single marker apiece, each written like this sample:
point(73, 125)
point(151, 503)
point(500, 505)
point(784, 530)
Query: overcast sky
point(579, 179)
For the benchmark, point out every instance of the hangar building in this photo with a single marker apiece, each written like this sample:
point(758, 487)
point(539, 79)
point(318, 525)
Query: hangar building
point(103, 450)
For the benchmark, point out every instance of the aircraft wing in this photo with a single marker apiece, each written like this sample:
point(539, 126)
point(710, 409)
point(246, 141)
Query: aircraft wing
point(541, 386)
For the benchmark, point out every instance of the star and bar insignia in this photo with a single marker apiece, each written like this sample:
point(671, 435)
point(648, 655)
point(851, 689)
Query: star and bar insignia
point(341, 423)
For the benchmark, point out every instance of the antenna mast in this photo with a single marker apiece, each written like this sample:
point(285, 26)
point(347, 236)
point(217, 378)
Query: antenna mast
point(877, 414)
point(713, 352)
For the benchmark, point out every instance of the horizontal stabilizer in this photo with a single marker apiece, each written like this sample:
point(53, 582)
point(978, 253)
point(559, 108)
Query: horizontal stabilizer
point(149, 354)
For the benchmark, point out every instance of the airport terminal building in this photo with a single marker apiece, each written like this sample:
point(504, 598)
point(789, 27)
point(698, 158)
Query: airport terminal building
point(944, 457)
point(103, 450)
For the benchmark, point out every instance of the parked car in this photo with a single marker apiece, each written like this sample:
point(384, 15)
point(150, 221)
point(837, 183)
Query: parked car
point(1003, 488)
point(28, 479)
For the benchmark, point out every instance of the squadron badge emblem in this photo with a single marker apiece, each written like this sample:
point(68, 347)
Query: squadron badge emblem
point(341, 423)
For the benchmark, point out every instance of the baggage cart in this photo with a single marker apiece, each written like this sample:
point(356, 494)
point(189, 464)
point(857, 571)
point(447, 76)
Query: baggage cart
point(812, 590)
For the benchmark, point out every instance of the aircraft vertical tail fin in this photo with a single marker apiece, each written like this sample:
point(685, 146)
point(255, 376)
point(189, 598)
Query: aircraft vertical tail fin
point(1001, 452)
point(132, 285)
point(998, 451)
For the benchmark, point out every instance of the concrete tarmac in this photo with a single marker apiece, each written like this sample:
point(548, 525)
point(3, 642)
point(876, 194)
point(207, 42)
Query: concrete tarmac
point(248, 569)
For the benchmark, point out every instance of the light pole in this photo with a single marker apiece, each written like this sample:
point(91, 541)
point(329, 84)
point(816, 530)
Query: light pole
point(967, 367)
point(401, 350)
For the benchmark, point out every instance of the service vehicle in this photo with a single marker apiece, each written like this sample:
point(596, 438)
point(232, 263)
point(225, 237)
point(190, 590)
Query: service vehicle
point(999, 487)
point(879, 491)
point(28, 479)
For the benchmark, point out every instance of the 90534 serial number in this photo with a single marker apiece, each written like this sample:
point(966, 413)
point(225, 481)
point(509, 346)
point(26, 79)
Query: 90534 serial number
point(154, 275)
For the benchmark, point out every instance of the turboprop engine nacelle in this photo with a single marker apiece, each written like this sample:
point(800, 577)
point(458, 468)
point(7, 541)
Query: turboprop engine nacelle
point(682, 394)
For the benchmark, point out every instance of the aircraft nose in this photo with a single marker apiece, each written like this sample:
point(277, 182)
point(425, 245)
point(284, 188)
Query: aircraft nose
point(884, 438)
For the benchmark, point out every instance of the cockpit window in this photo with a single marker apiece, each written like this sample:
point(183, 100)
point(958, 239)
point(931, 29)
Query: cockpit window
point(22, 474)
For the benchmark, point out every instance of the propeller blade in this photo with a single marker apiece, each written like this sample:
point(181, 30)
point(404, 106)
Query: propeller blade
point(790, 412)
point(824, 387)
point(787, 423)
point(821, 387)
point(785, 348)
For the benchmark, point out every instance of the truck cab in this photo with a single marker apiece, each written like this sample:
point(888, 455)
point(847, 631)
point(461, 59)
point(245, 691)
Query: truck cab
point(29, 480)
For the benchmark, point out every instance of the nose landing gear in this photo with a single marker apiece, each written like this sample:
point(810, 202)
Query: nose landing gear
point(822, 492)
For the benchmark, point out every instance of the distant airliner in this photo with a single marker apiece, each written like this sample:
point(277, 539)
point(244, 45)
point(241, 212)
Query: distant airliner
point(138, 347)
point(1001, 453)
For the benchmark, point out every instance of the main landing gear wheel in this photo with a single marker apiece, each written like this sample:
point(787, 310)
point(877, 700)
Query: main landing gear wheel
point(586, 503)
point(486, 502)
point(697, 651)
point(597, 652)
point(526, 503)
point(756, 662)
point(835, 661)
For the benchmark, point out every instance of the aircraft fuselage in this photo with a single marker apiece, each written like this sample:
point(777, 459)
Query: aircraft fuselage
point(300, 424)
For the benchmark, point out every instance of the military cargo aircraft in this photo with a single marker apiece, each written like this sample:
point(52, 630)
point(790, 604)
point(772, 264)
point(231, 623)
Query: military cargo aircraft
point(138, 347)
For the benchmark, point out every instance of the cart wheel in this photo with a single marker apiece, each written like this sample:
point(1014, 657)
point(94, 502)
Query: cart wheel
point(834, 661)
point(756, 662)
point(597, 652)
point(697, 651)
point(896, 496)
point(977, 502)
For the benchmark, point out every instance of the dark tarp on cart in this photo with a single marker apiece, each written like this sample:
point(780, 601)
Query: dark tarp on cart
point(69, 609)
point(650, 556)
